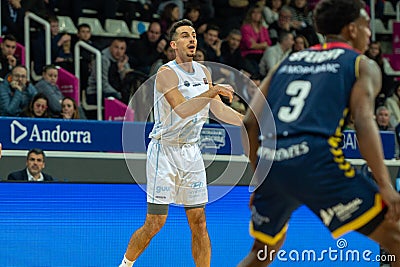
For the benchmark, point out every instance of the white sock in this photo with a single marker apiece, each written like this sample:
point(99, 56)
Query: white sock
point(126, 263)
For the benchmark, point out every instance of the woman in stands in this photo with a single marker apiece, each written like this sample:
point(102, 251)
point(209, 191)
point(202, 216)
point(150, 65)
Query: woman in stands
point(69, 109)
point(38, 108)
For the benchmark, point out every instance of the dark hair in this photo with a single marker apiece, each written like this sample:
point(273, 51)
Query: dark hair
point(283, 36)
point(378, 58)
point(176, 25)
point(49, 67)
point(199, 49)
point(332, 15)
point(235, 32)
point(52, 18)
point(212, 27)
point(36, 151)
point(84, 25)
point(166, 13)
point(76, 111)
point(9, 37)
point(28, 111)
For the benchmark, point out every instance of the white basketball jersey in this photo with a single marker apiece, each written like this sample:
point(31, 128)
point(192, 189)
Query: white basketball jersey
point(168, 126)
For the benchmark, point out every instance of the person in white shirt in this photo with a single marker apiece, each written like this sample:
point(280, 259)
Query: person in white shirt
point(183, 95)
point(276, 53)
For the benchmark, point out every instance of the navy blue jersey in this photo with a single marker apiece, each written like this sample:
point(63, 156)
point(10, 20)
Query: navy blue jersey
point(310, 91)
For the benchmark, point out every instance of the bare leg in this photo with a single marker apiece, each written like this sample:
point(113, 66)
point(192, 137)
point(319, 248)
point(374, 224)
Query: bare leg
point(257, 256)
point(388, 235)
point(142, 237)
point(201, 246)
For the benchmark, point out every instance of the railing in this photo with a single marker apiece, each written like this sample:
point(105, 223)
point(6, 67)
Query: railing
point(372, 9)
point(398, 11)
point(99, 86)
point(27, 34)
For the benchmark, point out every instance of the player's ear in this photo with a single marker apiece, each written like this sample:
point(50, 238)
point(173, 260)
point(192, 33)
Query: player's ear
point(172, 44)
point(352, 30)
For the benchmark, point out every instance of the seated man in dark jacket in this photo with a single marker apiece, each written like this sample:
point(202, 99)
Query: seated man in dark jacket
point(34, 166)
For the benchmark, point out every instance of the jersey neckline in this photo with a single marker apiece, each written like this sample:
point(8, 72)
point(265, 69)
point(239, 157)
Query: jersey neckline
point(331, 45)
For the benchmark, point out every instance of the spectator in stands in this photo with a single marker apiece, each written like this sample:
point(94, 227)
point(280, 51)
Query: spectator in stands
point(114, 63)
point(161, 4)
point(228, 17)
point(86, 57)
point(35, 163)
point(60, 44)
point(300, 43)
point(169, 15)
point(210, 43)
point(168, 55)
point(276, 53)
point(12, 19)
point(271, 11)
point(282, 25)
point(38, 107)
point(255, 38)
point(200, 55)
point(230, 51)
point(8, 59)
point(48, 86)
point(145, 51)
point(382, 115)
point(15, 92)
point(129, 9)
point(374, 52)
point(42, 8)
point(69, 109)
point(193, 13)
point(303, 21)
point(393, 105)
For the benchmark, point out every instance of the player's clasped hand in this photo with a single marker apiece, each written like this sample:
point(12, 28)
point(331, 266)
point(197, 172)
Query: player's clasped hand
point(392, 200)
point(225, 90)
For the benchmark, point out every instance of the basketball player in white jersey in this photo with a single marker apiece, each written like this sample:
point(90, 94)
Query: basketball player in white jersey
point(183, 95)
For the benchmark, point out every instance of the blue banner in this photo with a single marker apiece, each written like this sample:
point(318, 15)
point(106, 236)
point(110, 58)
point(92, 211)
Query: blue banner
point(352, 151)
point(108, 136)
point(103, 136)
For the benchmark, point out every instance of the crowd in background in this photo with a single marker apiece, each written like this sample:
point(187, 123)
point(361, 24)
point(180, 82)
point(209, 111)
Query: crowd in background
point(247, 36)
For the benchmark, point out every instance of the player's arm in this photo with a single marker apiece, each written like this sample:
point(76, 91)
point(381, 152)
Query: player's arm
point(220, 110)
point(362, 101)
point(250, 131)
point(167, 83)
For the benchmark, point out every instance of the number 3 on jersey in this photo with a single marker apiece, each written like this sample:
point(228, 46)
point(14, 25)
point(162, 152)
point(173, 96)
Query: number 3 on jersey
point(298, 90)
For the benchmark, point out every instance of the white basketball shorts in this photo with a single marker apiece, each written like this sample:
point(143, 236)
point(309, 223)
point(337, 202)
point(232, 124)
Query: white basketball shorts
point(175, 174)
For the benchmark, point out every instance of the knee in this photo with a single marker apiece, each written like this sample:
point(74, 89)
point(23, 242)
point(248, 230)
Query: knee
point(199, 225)
point(153, 225)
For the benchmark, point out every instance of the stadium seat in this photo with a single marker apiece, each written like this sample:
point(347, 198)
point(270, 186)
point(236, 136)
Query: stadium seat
point(68, 84)
point(119, 27)
point(84, 104)
point(379, 27)
point(388, 9)
point(66, 25)
point(388, 68)
point(95, 25)
point(115, 110)
point(139, 27)
point(390, 25)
